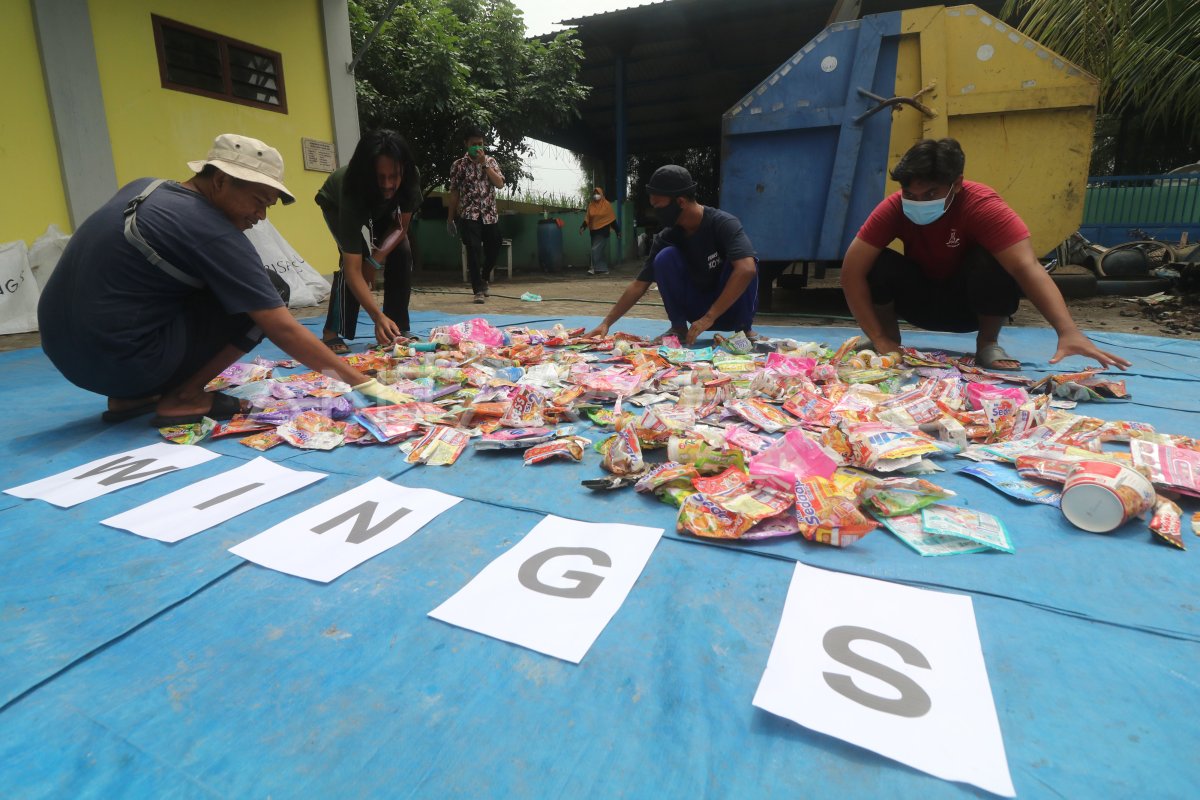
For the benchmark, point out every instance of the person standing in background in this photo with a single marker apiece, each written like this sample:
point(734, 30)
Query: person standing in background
point(472, 214)
point(599, 218)
point(368, 205)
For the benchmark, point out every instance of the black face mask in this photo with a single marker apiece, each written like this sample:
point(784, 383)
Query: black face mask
point(668, 215)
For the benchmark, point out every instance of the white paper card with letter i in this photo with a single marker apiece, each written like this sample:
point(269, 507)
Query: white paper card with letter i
point(210, 502)
point(556, 589)
point(114, 472)
point(331, 538)
point(890, 668)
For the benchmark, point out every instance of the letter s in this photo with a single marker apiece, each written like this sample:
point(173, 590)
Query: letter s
point(913, 701)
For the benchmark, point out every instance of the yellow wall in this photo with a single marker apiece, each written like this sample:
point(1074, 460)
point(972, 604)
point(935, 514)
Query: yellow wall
point(154, 131)
point(32, 196)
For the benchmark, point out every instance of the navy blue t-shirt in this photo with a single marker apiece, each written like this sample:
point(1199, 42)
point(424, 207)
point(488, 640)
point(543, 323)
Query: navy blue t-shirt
point(106, 308)
point(719, 238)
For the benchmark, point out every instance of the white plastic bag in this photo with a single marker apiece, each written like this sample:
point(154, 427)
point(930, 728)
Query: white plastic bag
point(45, 252)
point(19, 292)
point(307, 285)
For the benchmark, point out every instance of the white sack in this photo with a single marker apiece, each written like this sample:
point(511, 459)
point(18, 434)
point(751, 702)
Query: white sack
point(45, 252)
point(307, 285)
point(19, 291)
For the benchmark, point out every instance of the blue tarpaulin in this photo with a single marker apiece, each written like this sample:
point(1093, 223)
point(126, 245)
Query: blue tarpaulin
point(129, 667)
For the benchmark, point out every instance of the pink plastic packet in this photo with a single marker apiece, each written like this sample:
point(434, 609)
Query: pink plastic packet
point(976, 392)
point(791, 365)
point(793, 457)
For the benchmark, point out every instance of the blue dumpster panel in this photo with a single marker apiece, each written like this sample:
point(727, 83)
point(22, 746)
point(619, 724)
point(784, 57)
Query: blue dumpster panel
point(797, 170)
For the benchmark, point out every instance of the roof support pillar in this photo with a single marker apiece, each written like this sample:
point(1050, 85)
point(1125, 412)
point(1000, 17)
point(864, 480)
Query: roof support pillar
point(620, 125)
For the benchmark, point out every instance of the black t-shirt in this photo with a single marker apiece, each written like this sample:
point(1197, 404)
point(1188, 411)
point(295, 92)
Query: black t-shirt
point(719, 238)
point(353, 212)
point(106, 308)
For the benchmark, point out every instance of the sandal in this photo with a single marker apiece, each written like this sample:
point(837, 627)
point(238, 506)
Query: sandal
point(336, 345)
point(112, 417)
point(223, 407)
point(991, 356)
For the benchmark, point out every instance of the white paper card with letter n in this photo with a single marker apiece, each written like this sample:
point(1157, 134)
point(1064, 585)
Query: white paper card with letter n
point(334, 537)
point(893, 669)
point(556, 589)
point(110, 473)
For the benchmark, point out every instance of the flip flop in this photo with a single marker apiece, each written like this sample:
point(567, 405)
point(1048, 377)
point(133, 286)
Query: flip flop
point(223, 407)
point(992, 354)
point(113, 417)
point(336, 346)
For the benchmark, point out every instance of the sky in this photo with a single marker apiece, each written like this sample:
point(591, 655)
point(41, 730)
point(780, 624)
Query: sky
point(554, 170)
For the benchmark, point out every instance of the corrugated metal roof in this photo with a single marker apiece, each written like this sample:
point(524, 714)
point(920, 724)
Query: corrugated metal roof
point(686, 63)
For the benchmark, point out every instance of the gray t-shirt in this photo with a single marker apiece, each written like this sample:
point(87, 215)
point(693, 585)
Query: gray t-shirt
point(719, 238)
point(106, 308)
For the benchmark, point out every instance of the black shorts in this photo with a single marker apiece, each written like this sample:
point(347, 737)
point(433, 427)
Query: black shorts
point(980, 287)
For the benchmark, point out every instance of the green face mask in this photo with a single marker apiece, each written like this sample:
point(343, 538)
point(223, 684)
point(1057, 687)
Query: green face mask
point(475, 150)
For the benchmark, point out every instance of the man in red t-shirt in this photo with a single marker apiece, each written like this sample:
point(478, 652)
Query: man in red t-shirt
point(967, 262)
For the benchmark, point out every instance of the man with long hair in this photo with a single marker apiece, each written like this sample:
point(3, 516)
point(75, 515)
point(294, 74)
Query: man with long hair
point(368, 205)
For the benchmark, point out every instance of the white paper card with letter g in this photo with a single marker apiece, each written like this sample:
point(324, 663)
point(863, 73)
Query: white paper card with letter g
point(890, 668)
point(331, 538)
point(556, 589)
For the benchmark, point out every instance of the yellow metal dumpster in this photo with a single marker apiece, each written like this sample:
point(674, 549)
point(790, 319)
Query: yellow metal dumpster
point(805, 154)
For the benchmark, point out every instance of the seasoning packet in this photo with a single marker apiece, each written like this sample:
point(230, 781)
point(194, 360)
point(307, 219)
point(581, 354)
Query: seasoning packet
point(568, 447)
point(238, 424)
point(762, 415)
point(514, 438)
point(192, 433)
point(910, 530)
point(828, 514)
point(893, 497)
point(700, 516)
point(1167, 522)
point(441, 446)
point(1013, 485)
point(262, 441)
point(964, 523)
point(313, 431)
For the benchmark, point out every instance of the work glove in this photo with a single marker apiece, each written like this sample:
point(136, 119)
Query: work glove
point(373, 393)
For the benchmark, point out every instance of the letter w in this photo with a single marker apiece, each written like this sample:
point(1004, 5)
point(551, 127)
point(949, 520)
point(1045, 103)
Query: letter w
point(124, 472)
point(362, 529)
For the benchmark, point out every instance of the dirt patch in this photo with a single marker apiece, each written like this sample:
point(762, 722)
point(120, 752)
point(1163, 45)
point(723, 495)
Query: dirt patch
point(575, 293)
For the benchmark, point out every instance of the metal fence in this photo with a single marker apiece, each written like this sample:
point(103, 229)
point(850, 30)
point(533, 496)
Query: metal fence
point(1163, 206)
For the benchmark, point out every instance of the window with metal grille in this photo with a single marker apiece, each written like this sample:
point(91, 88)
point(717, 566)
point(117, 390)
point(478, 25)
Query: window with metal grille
point(205, 63)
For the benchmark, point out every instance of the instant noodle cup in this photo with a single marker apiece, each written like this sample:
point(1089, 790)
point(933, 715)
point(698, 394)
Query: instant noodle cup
point(1100, 496)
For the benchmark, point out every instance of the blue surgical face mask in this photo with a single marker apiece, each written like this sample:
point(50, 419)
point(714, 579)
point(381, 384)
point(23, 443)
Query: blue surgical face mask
point(923, 212)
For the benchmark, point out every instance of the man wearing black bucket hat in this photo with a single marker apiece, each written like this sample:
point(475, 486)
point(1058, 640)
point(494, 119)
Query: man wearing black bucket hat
point(702, 261)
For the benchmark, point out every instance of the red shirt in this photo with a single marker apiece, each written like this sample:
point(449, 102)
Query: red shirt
point(976, 216)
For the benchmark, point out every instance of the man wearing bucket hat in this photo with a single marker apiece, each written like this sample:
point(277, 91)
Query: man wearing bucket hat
point(702, 261)
point(159, 290)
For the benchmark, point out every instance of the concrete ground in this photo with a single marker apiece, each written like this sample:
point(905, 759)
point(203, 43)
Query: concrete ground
point(575, 293)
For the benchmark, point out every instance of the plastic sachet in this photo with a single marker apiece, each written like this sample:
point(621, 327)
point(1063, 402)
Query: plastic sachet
point(790, 458)
point(891, 497)
point(525, 409)
point(829, 514)
point(570, 447)
point(313, 431)
point(701, 516)
point(191, 433)
point(441, 446)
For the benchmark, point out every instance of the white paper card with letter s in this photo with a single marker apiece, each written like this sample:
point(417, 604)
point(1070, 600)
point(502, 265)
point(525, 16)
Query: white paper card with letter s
point(210, 502)
point(334, 537)
point(114, 472)
point(890, 668)
point(556, 589)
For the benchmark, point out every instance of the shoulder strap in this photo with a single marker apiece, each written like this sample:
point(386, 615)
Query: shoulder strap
point(134, 237)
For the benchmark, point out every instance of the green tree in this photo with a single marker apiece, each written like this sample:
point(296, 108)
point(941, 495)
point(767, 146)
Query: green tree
point(439, 66)
point(1146, 54)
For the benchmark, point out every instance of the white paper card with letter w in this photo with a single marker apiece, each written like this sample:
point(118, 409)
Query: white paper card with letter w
point(890, 668)
point(556, 589)
point(334, 537)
